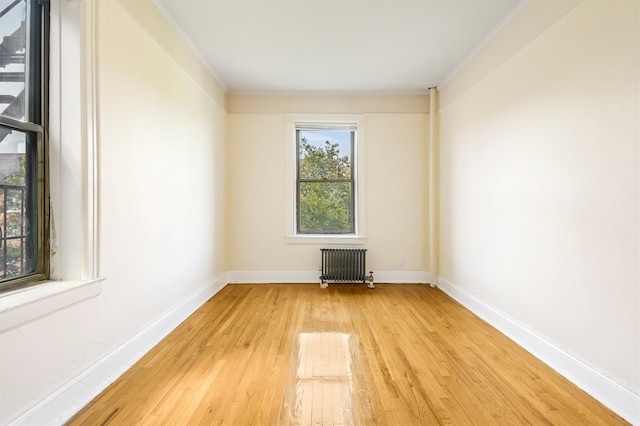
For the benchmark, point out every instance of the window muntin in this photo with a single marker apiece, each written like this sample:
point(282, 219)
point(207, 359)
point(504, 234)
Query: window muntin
point(23, 204)
point(325, 178)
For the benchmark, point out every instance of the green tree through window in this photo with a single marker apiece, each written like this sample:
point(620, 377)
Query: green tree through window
point(325, 184)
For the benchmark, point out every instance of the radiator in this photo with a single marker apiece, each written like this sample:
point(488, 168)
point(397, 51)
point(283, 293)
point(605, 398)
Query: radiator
point(343, 265)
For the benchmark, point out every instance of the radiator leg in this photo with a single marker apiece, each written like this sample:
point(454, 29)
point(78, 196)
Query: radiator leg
point(369, 280)
point(324, 284)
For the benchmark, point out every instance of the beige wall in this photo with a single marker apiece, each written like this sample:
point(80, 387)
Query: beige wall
point(540, 183)
point(395, 185)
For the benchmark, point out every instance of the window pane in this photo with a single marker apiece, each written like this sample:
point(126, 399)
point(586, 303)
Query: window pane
point(13, 36)
point(325, 208)
point(16, 241)
point(325, 154)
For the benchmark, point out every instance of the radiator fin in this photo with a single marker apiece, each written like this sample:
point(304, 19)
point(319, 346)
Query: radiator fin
point(343, 264)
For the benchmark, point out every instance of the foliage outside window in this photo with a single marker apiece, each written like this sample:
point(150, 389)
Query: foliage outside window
point(23, 204)
point(325, 196)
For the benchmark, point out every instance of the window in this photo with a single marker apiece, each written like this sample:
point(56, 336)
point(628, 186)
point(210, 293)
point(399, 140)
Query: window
point(325, 196)
point(23, 116)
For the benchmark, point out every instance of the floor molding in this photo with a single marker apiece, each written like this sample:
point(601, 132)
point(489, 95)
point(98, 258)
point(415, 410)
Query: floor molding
point(619, 399)
point(70, 398)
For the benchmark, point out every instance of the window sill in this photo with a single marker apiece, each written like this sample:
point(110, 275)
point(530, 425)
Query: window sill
point(326, 239)
point(24, 305)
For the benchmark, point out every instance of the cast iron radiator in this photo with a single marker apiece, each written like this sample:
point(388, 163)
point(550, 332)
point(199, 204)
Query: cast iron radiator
point(343, 264)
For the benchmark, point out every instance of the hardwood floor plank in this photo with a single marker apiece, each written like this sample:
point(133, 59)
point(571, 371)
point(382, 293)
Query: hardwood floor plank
point(414, 356)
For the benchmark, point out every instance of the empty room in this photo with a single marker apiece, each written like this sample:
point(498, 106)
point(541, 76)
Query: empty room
point(298, 212)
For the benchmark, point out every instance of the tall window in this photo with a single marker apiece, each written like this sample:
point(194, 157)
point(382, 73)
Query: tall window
point(325, 178)
point(23, 203)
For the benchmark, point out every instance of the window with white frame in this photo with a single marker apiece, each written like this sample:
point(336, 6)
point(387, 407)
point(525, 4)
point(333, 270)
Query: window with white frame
point(327, 197)
point(23, 154)
point(70, 116)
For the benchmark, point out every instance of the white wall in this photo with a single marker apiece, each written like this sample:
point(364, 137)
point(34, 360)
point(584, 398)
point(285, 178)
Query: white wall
point(161, 134)
point(162, 176)
point(540, 188)
point(395, 185)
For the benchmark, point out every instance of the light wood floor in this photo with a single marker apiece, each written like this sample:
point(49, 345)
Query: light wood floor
point(291, 354)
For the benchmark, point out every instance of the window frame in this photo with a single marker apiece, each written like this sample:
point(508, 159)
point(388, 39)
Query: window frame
point(74, 172)
point(358, 236)
point(34, 126)
point(302, 127)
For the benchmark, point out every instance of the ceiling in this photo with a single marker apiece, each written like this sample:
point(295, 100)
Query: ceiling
point(336, 46)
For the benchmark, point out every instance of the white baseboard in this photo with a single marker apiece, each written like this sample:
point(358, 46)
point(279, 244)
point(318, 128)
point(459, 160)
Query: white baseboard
point(303, 277)
point(402, 277)
point(619, 399)
point(272, 277)
point(69, 399)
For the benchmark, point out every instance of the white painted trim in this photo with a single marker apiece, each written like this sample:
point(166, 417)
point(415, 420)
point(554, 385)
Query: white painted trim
point(326, 240)
point(621, 400)
point(33, 302)
point(90, 143)
point(305, 277)
point(273, 277)
point(74, 179)
point(61, 405)
point(402, 277)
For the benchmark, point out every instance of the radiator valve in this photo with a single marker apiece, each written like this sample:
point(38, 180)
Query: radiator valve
point(369, 280)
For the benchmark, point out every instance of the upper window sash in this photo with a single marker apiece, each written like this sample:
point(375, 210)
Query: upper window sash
point(22, 59)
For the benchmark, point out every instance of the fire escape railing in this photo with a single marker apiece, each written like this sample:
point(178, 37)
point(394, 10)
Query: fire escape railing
point(13, 235)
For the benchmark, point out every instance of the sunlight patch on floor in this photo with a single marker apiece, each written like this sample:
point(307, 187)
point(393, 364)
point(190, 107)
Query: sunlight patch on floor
point(321, 388)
